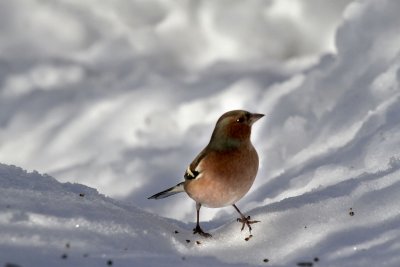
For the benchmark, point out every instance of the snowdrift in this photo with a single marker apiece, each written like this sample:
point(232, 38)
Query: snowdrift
point(327, 192)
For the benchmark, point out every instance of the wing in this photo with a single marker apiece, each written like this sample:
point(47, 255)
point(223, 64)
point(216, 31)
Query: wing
point(192, 172)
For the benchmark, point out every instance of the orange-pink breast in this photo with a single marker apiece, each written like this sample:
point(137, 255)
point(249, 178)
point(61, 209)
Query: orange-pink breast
point(225, 177)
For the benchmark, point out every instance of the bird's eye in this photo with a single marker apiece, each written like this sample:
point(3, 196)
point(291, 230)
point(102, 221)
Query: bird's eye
point(241, 119)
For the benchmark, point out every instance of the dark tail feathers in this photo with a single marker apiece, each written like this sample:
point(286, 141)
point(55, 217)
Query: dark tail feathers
point(169, 192)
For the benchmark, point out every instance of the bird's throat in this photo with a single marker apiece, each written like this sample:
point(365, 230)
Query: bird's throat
point(222, 144)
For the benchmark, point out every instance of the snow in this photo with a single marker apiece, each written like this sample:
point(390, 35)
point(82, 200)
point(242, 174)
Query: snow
point(107, 97)
point(45, 219)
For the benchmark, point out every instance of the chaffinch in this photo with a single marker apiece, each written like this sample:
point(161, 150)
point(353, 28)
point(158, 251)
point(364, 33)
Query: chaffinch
point(224, 170)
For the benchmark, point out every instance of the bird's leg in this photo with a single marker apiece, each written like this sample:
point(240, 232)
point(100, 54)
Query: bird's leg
point(244, 220)
point(198, 229)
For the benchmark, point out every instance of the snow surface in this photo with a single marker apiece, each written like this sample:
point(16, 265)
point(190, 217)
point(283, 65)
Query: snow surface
point(54, 224)
point(103, 108)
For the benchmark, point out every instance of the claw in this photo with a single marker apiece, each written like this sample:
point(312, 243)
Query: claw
point(246, 221)
point(200, 231)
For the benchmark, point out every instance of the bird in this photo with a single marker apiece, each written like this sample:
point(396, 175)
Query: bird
point(224, 171)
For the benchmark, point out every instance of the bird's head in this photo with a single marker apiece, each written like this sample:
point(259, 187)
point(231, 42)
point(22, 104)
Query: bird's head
point(233, 128)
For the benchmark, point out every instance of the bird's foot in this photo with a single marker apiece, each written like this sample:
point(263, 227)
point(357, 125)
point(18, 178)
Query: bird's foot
point(200, 231)
point(246, 221)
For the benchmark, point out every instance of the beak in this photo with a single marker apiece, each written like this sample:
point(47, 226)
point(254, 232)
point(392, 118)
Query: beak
point(255, 117)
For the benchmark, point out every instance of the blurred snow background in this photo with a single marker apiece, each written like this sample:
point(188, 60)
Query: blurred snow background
point(121, 95)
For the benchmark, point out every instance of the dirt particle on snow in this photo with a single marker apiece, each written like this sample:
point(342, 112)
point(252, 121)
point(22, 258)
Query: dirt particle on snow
point(248, 238)
point(351, 212)
point(305, 264)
